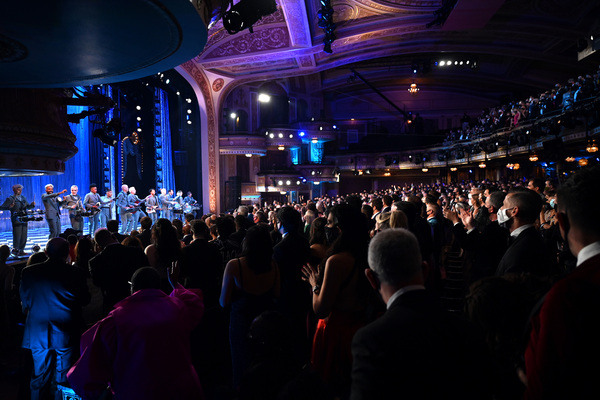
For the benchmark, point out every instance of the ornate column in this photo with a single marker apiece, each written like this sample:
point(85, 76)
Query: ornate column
point(209, 91)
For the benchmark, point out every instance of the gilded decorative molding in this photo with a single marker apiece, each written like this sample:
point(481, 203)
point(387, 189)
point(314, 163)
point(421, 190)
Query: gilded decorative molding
point(212, 133)
point(261, 40)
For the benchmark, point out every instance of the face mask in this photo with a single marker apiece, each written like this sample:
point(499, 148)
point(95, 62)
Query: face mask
point(552, 203)
point(331, 233)
point(503, 218)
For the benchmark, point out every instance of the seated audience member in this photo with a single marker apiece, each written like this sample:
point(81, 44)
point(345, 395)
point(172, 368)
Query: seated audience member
point(112, 268)
point(563, 344)
point(141, 350)
point(526, 252)
point(415, 350)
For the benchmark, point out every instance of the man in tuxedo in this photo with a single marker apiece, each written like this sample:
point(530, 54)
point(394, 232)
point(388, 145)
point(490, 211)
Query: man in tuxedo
point(112, 268)
point(416, 349)
point(52, 205)
point(52, 295)
point(526, 252)
point(563, 350)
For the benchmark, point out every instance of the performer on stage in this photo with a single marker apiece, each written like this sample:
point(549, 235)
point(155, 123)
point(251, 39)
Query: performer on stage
point(125, 211)
point(152, 205)
point(178, 205)
point(134, 203)
point(106, 208)
point(165, 203)
point(92, 203)
point(52, 204)
point(189, 204)
point(72, 202)
point(17, 203)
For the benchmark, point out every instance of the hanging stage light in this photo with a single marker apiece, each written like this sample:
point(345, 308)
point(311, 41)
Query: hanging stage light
point(246, 13)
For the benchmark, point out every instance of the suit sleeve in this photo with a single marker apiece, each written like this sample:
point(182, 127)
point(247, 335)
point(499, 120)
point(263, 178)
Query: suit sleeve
point(365, 362)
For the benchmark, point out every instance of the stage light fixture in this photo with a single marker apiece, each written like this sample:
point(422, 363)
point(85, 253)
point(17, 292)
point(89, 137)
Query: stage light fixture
point(246, 13)
point(109, 133)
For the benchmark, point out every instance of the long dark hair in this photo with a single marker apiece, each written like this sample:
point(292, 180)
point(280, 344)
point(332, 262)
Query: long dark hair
point(354, 236)
point(258, 249)
point(317, 231)
point(164, 238)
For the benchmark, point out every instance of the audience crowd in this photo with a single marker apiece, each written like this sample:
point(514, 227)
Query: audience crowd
point(563, 98)
point(339, 297)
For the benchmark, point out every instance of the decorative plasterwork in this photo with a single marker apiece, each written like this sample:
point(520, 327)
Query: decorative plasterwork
point(212, 121)
point(297, 22)
point(272, 38)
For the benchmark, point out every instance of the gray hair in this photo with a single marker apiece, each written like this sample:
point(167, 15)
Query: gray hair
point(394, 255)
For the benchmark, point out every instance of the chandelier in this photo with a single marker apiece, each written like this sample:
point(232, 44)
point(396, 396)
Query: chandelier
point(413, 89)
point(533, 157)
point(570, 159)
point(592, 147)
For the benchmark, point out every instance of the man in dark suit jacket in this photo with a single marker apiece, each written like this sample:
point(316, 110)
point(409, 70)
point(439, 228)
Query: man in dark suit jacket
point(112, 268)
point(291, 253)
point(415, 350)
point(563, 350)
point(527, 252)
point(52, 295)
point(52, 206)
point(486, 248)
point(201, 264)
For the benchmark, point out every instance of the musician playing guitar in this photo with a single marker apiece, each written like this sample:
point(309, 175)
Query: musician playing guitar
point(106, 208)
point(92, 203)
point(72, 202)
point(134, 207)
point(152, 205)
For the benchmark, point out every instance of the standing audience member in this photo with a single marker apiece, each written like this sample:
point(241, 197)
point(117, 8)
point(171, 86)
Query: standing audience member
point(52, 295)
point(112, 268)
point(7, 274)
point(141, 350)
point(164, 250)
point(526, 252)
point(563, 344)
point(251, 283)
point(415, 350)
point(337, 296)
point(145, 235)
point(291, 253)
